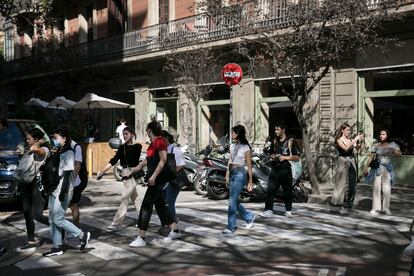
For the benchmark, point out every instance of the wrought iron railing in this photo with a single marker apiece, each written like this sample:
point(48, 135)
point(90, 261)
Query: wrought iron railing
point(195, 29)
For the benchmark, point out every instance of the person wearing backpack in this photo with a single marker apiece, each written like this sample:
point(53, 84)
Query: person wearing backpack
point(34, 201)
point(281, 173)
point(173, 188)
point(81, 181)
point(62, 194)
point(128, 154)
point(156, 178)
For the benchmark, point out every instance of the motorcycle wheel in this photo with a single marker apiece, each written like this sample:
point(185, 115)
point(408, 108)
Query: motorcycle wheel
point(200, 186)
point(117, 172)
point(216, 191)
point(300, 192)
point(244, 198)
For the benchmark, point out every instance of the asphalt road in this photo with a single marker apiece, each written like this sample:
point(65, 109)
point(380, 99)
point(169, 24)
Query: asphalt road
point(314, 242)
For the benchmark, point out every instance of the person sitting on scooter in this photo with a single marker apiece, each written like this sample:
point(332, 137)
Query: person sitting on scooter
point(236, 176)
point(281, 172)
point(128, 154)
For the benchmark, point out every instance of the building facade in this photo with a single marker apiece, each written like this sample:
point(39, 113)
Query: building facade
point(116, 48)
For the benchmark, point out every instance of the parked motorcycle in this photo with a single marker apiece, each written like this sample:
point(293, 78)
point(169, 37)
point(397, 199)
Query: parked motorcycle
point(211, 164)
point(261, 167)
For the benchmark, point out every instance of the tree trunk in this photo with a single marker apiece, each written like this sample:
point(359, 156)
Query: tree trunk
point(310, 159)
point(310, 162)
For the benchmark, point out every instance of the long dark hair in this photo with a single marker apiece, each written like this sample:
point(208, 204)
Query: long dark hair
point(155, 128)
point(167, 136)
point(36, 133)
point(64, 132)
point(241, 134)
point(130, 130)
point(339, 131)
point(388, 135)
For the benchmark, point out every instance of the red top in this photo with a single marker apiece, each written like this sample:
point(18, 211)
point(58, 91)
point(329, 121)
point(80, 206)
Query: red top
point(158, 144)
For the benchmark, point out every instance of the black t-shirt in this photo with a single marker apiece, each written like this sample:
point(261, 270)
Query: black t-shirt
point(128, 155)
point(282, 148)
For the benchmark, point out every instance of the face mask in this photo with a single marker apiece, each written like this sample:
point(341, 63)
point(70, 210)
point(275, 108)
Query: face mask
point(56, 143)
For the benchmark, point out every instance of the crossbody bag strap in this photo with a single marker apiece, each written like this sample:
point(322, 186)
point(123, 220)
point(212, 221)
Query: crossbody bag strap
point(126, 160)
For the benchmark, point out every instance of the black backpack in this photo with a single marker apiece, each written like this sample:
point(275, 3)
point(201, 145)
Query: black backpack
point(83, 173)
point(50, 174)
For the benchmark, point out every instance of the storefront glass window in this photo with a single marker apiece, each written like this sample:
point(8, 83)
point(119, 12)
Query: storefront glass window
point(393, 113)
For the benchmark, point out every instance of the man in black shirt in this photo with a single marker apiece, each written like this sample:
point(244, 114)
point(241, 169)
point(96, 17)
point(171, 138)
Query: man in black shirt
point(282, 150)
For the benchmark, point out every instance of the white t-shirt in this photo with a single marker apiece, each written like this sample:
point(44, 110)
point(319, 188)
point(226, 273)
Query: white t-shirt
point(119, 131)
point(66, 163)
point(178, 155)
point(78, 157)
point(237, 154)
point(39, 159)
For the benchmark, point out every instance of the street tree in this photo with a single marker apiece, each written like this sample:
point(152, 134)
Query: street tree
point(309, 38)
point(194, 71)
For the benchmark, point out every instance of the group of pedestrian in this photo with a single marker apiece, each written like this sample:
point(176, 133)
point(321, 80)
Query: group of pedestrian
point(162, 193)
point(378, 169)
point(60, 197)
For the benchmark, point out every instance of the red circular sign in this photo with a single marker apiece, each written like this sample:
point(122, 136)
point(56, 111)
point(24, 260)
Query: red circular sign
point(232, 74)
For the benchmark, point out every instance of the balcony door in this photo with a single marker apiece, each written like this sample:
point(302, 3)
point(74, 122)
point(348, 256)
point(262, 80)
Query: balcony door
point(118, 16)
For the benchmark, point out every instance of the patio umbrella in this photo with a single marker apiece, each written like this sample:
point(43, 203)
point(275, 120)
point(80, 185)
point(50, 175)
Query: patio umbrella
point(92, 100)
point(36, 102)
point(61, 102)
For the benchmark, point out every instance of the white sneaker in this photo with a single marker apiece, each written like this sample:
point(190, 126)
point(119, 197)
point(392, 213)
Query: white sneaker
point(112, 228)
point(374, 212)
point(288, 214)
point(409, 250)
point(227, 231)
point(250, 224)
point(267, 214)
point(138, 242)
point(172, 236)
point(388, 212)
point(343, 211)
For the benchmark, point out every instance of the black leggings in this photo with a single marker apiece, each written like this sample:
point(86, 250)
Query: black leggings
point(280, 177)
point(152, 197)
point(33, 205)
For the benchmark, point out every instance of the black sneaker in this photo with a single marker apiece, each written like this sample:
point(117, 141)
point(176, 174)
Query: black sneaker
point(55, 251)
point(28, 245)
point(84, 241)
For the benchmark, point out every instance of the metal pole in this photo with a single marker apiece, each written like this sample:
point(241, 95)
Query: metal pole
point(231, 111)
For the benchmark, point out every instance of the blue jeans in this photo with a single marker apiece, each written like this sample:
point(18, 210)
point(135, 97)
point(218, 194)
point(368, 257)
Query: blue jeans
point(170, 194)
point(57, 221)
point(238, 179)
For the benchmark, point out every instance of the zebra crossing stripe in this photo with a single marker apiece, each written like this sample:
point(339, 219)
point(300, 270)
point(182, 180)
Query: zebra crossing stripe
point(37, 261)
point(260, 228)
point(333, 230)
point(131, 232)
point(96, 248)
point(213, 234)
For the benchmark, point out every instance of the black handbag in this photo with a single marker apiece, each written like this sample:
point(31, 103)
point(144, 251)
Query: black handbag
point(375, 163)
point(182, 179)
point(169, 172)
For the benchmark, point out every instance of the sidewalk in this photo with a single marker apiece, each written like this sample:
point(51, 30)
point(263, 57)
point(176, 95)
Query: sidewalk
point(326, 190)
